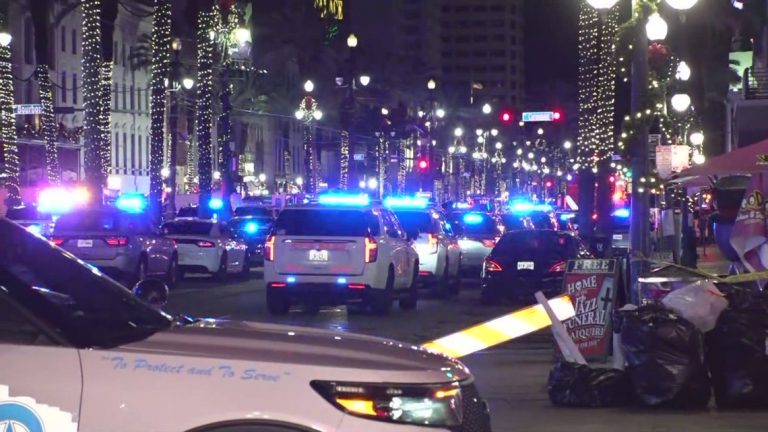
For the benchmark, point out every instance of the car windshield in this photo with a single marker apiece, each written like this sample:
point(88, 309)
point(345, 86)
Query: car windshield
point(253, 211)
point(327, 222)
point(199, 228)
point(190, 211)
point(542, 221)
point(476, 224)
point(513, 221)
point(417, 221)
point(524, 243)
point(89, 221)
point(80, 304)
point(26, 213)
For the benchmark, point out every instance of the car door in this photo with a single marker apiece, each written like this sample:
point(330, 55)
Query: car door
point(159, 250)
point(452, 246)
point(395, 237)
point(40, 376)
point(235, 248)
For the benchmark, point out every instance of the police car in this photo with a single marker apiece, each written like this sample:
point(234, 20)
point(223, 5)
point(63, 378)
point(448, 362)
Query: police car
point(340, 250)
point(81, 353)
point(435, 242)
point(207, 246)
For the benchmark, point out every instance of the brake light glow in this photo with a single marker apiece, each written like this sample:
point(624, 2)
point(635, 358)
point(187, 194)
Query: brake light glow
point(371, 250)
point(205, 244)
point(116, 241)
point(558, 267)
point(58, 241)
point(489, 243)
point(356, 286)
point(492, 266)
point(269, 249)
point(278, 285)
point(433, 244)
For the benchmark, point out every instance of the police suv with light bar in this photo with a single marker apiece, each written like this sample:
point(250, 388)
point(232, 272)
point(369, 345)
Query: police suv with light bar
point(341, 250)
point(81, 353)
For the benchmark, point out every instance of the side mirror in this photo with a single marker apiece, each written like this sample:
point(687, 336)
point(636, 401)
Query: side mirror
point(152, 291)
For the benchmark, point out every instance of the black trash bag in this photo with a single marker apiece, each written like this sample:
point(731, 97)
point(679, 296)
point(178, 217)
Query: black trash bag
point(736, 351)
point(665, 358)
point(575, 385)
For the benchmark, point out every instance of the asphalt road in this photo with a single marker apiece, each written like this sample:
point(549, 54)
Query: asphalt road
point(512, 376)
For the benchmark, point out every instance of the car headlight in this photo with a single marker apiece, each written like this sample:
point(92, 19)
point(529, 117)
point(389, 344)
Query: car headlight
point(433, 405)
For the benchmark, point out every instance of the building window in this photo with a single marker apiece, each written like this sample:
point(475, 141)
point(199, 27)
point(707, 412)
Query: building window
point(133, 101)
point(461, 9)
point(480, 69)
point(141, 159)
point(74, 41)
point(115, 53)
point(513, 54)
point(74, 88)
point(125, 151)
point(63, 89)
point(117, 95)
point(496, 23)
point(63, 39)
point(133, 152)
point(479, 23)
point(138, 98)
point(116, 145)
point(497, 53)
point(497, 8)
point(462, 39)
point(480, 38)
point(146, 99)
point(481, 54)
point(498, 68)
point(125, 98)
point(124, 55)
point(513, 25)
point(482, 8)
point(499, 37)
point(29, 47)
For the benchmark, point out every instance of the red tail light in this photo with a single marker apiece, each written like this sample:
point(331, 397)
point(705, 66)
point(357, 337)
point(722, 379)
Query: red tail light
point(269, 249)
point(489, 243)
point(278, 285)
point(58, 241)
point(432, 243)
point(558, 267)
point(371, 249)
point(205, 244)
point(116, 241)
point(492, 266)
point(356, 286)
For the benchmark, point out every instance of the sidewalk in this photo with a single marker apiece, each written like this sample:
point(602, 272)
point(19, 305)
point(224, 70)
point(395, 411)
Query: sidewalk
point(713, 262)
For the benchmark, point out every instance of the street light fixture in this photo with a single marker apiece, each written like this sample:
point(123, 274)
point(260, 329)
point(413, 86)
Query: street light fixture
point(309, 86)
point(384, 111)
point(175, 44)
point(317, 114)
point(478, 132)
point(431, 84)
point(494, 132)
point(188, 83)
point(299, 181)
point(499, 145)
point(683, 71)
point(458, 132)
point(567, 145)
point(262, 177)
point(697, 138)
point(352, 40)
point(602, 4)
point(365, 80)
point(5, 39)
point(680, 102)
point(487, 109)
point(656, 28)
point(699, 158)
point(165, 172)
point(540, 131)
point(681, 4)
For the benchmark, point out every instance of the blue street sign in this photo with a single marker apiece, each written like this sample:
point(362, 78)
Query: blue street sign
point(538, 116)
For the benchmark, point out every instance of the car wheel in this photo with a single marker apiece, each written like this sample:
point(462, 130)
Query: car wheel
point(221, 272)
point(172, 275)
point(246, 270)
point(410, 300)
point(453, 282)
point(381, 300)
point(278, 302)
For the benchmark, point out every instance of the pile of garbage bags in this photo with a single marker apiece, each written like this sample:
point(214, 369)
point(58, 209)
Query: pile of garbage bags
point(697, 341)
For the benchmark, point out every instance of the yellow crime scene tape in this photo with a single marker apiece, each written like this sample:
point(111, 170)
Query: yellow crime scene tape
point(501, 329)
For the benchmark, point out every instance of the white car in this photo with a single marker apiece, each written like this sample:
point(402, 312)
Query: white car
point(342, 250)
point(478, 235)
point(207, 246)
point(437, 246)
point(81, 353)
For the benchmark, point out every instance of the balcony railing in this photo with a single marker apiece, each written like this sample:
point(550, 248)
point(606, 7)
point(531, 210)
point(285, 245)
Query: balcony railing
point(755, 83)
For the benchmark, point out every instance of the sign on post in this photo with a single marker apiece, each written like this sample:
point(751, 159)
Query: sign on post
point(27, 109)
point(538, 116)
point(591, 284)
point(359, 156)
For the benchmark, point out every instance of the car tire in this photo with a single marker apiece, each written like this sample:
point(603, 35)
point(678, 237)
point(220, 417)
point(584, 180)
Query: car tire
point(454, 282)
point(141, 271)
point(410, 300)
point(172, 275)
point(278, 302)
point(221, 272)
point(381, 299)
point(246, 270)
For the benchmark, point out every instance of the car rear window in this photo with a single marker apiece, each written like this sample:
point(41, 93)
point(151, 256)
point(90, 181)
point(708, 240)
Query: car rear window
point(525, 242)
point(421, 221)
point(477, 224)
point(513, 222)
point(327, 222)
point(201, 228)
point(88, 221)
point(253, 211)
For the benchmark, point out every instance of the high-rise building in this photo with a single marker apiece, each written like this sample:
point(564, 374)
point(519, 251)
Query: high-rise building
point(481, 51)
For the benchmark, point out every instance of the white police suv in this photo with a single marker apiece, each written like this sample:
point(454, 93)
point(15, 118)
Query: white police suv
point(340, 250)
point(81, 353)
point(435, 242)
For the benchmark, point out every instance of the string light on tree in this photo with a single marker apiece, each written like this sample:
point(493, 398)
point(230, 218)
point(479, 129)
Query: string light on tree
point(7, 116)
point(91, 61)
point(205, 44)
point(104, 116)
point(49, 124)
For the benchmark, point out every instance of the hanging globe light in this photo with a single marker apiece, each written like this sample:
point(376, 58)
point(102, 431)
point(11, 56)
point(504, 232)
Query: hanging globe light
point(699, 158)
point(697, 138)
point(656, 28)
point(681, 4)
point(681, 102)
point(683, 72)
point(602, 4)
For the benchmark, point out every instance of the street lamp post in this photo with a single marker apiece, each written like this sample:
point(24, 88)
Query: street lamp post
point(347, 111)
point(174, 126)
point(309, 112)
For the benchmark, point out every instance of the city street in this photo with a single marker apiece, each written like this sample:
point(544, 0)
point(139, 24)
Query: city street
point(512, 377)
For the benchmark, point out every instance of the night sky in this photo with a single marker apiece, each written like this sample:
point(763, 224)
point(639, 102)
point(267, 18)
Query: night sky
point(551, 41)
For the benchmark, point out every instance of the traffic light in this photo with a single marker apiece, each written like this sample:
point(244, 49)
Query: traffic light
point(506, 117)
point(423, 164)
point(557, 115)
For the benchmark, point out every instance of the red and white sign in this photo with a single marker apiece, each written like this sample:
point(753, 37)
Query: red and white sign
point(671, 159)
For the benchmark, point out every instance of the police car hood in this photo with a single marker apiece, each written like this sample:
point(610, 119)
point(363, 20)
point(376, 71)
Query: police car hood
point(333, 351)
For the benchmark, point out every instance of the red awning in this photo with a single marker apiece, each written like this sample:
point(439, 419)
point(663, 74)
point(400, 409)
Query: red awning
point(746, 160)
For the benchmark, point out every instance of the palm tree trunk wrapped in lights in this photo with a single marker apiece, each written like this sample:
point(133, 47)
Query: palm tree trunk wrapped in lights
point(91, 60)
point(8, 120)
point(105, 117)
point(330, 8)
point(344, 159)
point(161, 45)
point(49, 124)
point(206, 24)
point(309, 111)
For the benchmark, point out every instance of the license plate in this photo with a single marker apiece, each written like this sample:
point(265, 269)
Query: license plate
point(525, 265)
point(84, 243)
point(318, 255)
point(617, 237)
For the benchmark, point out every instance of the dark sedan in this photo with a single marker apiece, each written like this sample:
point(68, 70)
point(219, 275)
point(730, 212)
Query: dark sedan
point(253, 231)
point(523, 262)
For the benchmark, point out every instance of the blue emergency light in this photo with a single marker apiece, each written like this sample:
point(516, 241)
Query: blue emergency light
point(251, 227)
point(621, 213)
point(462, 205)
point(216, 204)
point(527, 207)
point(344, 200)
point(472, 219)
point(406, 202)
point(131, 202)
point(567, 216)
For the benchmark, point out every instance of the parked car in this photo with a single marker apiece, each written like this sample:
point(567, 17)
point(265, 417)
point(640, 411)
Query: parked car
point(478, 233)
point(207, 246)
point(33, 220)
point(124, 245)
point(253, 230)
point(523, 262)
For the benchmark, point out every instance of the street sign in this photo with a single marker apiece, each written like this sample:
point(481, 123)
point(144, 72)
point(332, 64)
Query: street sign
point(359, 156)
point(671, 159)
point(591, 285)
point(394, 158)
point(538, 116)
point(28, 109)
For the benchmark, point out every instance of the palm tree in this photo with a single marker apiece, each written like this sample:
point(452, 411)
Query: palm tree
point(91, 60)
point(108, 18)
point(40, 11)
point(161, 44)
point(9, 154)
